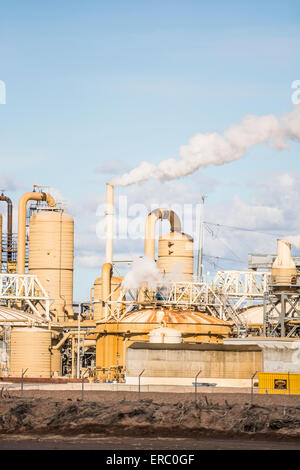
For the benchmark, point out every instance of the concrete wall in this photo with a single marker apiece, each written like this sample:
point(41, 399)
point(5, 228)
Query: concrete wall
point(278, 355)
point(184, 363)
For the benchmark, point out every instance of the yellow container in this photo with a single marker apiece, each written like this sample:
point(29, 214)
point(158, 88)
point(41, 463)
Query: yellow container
point(279, 383)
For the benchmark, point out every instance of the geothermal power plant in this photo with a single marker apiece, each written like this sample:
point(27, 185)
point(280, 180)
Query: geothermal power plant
point(169, 329)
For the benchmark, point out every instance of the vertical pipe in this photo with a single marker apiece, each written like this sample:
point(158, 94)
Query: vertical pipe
point(200, 254)
point(9, 225)
point(73, 358)
point(109, 222)
point(22, 224)
point(282, 315)
point(153, 217)
point(78, 348)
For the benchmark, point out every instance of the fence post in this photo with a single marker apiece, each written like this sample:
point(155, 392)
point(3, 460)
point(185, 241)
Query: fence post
point(140, 383)
point(82, 385)
point(196, 386)
point(22, 380)
point(252, 378)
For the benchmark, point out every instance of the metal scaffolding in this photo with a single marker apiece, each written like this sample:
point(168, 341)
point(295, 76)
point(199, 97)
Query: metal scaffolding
point(24, 291)
point(223, 298)
point(281, 314)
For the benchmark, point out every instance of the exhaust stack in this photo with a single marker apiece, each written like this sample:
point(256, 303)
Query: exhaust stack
point(283, 271)
point(109, 222)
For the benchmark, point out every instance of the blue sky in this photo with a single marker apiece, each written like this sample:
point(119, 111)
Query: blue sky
point(94, 82)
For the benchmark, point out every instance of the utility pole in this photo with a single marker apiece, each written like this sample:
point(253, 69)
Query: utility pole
point(200, 254)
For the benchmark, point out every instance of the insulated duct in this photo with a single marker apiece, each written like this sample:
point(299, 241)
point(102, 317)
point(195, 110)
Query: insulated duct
point(31, 196)
point(153, 217)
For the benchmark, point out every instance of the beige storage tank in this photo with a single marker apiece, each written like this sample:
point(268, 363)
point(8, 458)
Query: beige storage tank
point(51, 253)
point(175, 255)
point(99, 310)
point(55, 361)
point(30, 349)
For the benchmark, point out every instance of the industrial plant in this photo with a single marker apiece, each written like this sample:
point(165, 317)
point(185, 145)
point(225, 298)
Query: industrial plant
point(170, 328)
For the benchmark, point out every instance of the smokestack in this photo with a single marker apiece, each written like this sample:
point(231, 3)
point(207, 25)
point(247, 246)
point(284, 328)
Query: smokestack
point(109, 219)
point(284, 269)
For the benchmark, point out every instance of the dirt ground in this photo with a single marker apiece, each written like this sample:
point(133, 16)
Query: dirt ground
point(109, 416)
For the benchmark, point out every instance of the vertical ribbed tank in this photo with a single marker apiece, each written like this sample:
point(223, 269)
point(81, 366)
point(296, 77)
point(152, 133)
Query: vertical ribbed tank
point(51, 253)
point(30, 349)
point(99, 310)
point(55, 363)
point(175, 255)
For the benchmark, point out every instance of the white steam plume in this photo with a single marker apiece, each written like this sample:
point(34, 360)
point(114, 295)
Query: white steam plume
point(214, 149)
point(145, 270)
point(294, 240)
point(142, 270)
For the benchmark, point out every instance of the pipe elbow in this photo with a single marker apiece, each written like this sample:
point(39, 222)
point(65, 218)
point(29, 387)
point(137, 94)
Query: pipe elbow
point(50, 200)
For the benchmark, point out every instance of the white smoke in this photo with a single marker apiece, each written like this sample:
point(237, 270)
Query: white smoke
point(294, 240)
point(145, 270)
point(214, 149)
point(142, 270)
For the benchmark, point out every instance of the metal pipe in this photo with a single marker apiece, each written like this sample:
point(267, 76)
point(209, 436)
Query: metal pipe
point(109, 220)
point(35, 196)
point(106, 283)
point(78, 348)
point(9, 223)
point(200, 254)
point(153, 217)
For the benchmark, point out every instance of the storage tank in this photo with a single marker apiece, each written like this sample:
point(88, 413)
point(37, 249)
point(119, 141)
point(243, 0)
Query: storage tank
point(165, 335)
point(30, 349)
point(55, 361)
point(99, 310)
point(51, 253)
point(175, 255)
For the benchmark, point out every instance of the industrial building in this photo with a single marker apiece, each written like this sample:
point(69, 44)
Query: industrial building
point(240, 323)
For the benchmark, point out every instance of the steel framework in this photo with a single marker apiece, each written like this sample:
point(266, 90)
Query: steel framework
point(281, 314)
point(24, 291)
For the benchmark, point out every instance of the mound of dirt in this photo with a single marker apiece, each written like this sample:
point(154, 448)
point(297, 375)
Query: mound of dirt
point(147, 417)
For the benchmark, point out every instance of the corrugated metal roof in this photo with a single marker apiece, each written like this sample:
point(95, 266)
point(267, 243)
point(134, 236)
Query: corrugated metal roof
point(170, 316)
point(18, 316)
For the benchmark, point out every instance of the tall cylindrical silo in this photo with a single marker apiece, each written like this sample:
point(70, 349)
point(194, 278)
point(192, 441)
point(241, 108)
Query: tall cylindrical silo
point(51, 254)
point(175, 256)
